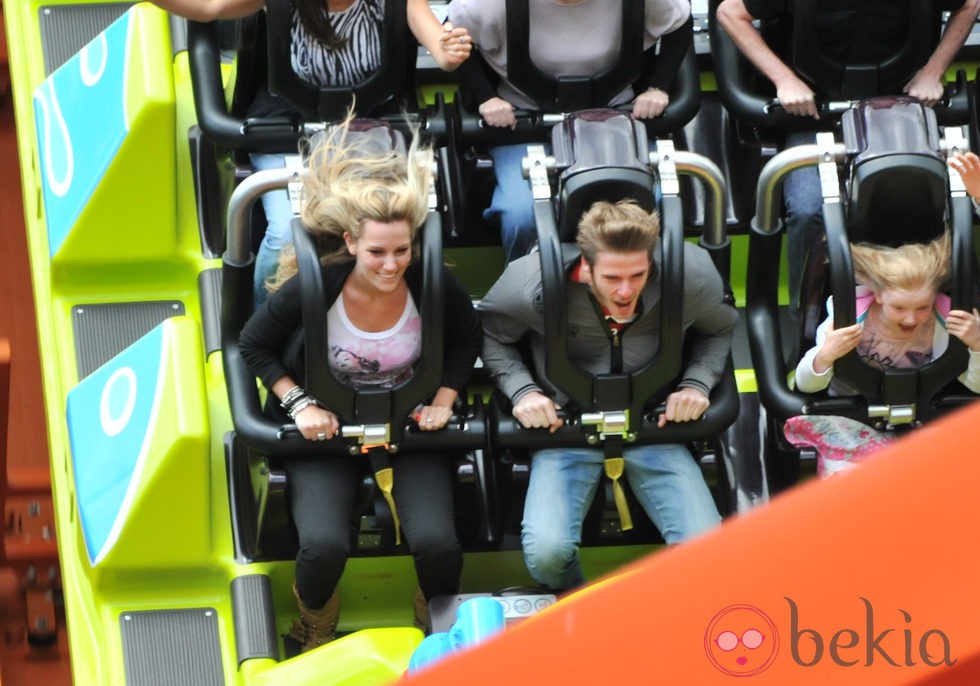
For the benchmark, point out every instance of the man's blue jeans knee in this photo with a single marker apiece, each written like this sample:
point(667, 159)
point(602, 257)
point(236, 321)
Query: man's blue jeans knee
point(666, 480)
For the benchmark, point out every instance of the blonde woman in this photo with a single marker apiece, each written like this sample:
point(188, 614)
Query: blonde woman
point(364, 209)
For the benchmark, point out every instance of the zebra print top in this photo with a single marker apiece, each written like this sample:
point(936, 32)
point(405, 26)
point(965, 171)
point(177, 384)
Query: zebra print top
point(361, 24)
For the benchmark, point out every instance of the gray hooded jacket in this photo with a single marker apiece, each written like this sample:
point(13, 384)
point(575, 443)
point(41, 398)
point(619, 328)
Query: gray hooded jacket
point(513, 308)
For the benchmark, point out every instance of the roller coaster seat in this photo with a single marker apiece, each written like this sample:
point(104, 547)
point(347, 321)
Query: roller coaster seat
point(896, 188)
point(603, 155)
point(262, 62)
point(569, 93)
point(389, 90)
point(897, 178)
point(260, 443)
point(839, 80)
point(800, 39)
point(557, 96)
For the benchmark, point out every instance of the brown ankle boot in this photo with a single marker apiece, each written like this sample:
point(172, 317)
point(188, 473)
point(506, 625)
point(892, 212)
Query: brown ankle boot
point(315, 627)
point(421, 611)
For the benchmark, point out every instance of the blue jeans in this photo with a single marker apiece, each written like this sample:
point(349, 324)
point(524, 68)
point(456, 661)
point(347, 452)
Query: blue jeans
point(278, 215)
point(512, 206)
point(804, 217)
point(666, 480)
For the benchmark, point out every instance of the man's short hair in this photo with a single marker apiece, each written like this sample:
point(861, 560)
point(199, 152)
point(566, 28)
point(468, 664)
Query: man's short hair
point(621, 227)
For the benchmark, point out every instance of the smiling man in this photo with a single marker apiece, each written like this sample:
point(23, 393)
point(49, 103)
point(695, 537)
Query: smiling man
point(613, 305)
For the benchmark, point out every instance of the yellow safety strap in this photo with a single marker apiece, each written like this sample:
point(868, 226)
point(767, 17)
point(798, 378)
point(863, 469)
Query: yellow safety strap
point(385, 479)
point(614, 470)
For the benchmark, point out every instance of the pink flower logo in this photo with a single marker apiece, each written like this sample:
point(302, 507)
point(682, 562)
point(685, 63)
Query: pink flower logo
point(741, 640)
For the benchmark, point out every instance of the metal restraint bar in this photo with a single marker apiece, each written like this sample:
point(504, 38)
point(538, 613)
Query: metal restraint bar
point(766, 221)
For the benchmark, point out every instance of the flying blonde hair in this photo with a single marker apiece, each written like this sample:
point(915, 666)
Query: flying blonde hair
point(352, 179)
point(906, 267)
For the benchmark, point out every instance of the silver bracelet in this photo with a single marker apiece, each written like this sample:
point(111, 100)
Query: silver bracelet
point(300, 405)
point(291, 396)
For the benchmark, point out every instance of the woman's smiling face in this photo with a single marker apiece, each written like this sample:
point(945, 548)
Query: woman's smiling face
point(382, 252)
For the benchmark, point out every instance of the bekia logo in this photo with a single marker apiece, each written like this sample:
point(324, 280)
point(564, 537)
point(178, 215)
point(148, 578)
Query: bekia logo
point(742, 640)
point(867, 642)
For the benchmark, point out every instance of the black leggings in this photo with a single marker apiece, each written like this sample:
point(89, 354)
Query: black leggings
point(322, 496)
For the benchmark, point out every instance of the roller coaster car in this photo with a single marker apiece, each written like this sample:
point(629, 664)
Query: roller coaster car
point(750, 97)
point(896, 189)
point(371, 419)
point(602, 154)
point(257, 482)
point(262, 61)
point(556, 97)
point(386, 92)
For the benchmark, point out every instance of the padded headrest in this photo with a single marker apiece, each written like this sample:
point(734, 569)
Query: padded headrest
point(372, 137)
point(897, 177)
point(605, 157)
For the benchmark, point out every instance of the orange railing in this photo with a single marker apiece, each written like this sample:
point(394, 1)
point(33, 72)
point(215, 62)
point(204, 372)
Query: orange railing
point(868, 577)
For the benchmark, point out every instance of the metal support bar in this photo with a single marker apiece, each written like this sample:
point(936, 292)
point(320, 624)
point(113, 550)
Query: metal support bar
point(766, 220)
point(827, 167)
point(953, 142)
point(709, 174)
point(238, 252)
point(536, 166)
point(894, 415)
point(369, 435)
point(667, 167)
